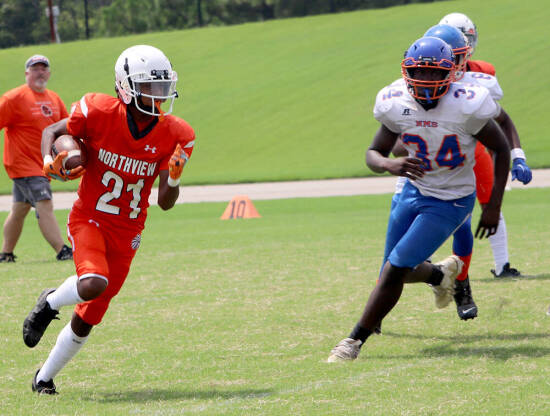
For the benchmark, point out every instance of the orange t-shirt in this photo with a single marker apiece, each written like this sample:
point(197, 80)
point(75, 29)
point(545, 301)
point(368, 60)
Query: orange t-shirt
point(24, 113)
point(120, 168)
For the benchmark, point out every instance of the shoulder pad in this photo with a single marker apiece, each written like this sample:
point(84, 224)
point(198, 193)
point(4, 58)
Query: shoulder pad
point(488, 81)
point(386, 98)
point(398, 83)
point(468, 97)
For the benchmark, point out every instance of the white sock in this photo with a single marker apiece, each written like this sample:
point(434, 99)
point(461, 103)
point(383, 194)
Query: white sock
point(66, 294)
point(499, 244)
point(66, 347)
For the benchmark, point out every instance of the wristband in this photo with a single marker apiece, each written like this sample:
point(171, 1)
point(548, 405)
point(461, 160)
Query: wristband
point(517, 153)
point(47, 159)
point(173, 182)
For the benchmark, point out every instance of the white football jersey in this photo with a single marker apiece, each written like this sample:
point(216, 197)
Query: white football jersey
point(442, 137)
point(485, 80)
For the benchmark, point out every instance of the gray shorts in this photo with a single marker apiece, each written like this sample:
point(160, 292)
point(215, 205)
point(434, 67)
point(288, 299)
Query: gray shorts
point(31, 189)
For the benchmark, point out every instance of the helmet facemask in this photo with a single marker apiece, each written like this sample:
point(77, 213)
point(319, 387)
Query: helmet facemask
point(427, 91)
point(462, 56)
point(159, 87)
point(160, 90)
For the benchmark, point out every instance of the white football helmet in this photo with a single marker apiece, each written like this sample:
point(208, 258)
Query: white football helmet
point(144, 71)
point(465, 25)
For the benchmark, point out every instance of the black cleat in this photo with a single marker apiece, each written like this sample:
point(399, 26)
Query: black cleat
point(38, 319)
point(43, 387)
point(466, 308)
point(66, 253)
point(7, 258)
point(507, 271)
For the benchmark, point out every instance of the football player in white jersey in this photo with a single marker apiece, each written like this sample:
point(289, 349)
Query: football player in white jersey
point(463, 239)
point(520, 169)
point(439, 123)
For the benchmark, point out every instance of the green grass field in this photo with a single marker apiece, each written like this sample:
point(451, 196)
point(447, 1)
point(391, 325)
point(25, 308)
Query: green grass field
point(237, 318)
point(292, 99)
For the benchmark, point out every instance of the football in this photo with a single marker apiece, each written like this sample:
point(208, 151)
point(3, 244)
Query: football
point(74, 148)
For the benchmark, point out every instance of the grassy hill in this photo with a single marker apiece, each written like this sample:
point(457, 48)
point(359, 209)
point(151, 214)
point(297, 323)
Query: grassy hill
point(292, 99)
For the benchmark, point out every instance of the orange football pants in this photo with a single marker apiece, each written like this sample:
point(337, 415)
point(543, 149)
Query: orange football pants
point(103, 251)
point(485, 174)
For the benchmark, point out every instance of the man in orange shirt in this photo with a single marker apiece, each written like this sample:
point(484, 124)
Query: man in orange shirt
point(130, 141)
point(24, 112)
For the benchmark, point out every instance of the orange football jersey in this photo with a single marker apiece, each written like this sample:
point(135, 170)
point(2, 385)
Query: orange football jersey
point(25, 113)
point(481, 66)
point(122, 165)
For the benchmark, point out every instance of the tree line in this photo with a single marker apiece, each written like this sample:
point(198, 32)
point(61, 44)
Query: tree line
point(24, 22)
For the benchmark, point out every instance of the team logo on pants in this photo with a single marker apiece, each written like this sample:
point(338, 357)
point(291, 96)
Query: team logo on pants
point(136, 241)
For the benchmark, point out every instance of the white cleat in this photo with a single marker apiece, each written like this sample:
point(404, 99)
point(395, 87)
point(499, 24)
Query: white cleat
point(444, 292)
point(347, 350)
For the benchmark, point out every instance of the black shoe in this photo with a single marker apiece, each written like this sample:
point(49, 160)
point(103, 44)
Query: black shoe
point(38, 319)
point(7, 258)
point(466, 308)
point(66, 253)
point(507, 271)
point(43, 387)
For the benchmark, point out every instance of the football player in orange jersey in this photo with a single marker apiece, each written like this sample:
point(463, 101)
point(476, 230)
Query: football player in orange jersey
point(483, 168)
point(130, 141)
point(24, 112)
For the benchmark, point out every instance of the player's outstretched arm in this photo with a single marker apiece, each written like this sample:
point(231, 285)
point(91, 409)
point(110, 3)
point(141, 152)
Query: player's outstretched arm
point(170, 179)
point(492, 137)
point(167, 194)
point(377, 157)
point(520, 169)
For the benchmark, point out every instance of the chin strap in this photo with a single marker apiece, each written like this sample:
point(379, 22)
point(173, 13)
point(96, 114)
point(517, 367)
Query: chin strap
point(427, 93)
point(161, 113)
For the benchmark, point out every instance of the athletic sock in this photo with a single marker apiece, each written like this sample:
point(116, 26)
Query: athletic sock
point(66, 347)
point(360, 333)
point(66, 294)
point(464, 273)
point(499, 244)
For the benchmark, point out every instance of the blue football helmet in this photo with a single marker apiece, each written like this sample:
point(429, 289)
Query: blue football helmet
point(458, 42)
point(433, 55)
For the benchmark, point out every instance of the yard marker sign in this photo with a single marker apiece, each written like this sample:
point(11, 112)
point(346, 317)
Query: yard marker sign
point(240, 207)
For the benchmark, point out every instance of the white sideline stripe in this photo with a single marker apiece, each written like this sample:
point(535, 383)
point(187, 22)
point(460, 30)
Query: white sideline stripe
point(84, 107)
point(282, 190)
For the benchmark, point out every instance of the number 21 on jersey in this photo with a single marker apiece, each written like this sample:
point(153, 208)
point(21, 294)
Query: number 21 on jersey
point(118, 183)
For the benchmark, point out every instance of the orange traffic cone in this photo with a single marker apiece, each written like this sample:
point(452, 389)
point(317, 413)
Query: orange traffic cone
point(240, 207)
